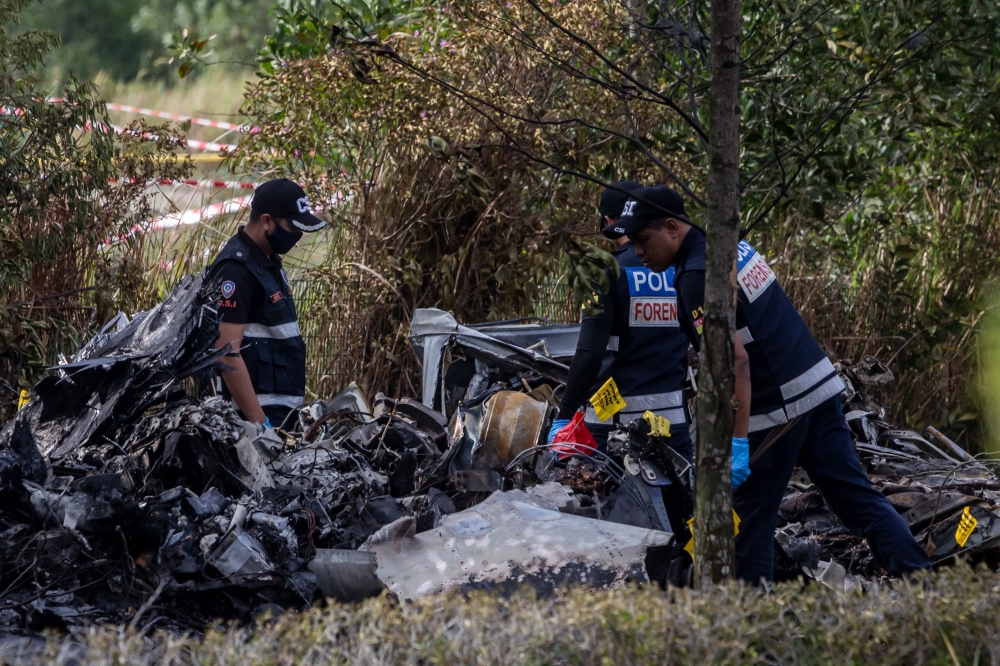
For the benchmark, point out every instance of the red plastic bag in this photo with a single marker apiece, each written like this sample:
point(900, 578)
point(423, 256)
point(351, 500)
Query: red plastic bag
point(573, 439)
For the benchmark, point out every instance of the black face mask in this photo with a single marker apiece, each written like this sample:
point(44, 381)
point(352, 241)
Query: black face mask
point(282, 241)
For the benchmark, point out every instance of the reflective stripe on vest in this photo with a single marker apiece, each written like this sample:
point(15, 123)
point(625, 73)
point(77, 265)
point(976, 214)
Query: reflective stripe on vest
point(812, 388)
point(274, 399)
point(668, 405)
point(807, 379)
point(613, 343)
point(675, 416)
point(814, 398)
point(640, 403)
point(760, 422)
point(279, 332)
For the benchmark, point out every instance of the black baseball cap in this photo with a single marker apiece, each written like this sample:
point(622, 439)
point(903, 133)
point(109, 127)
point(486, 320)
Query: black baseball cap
point(614, 198)
point(284, 198)
point(647, 204)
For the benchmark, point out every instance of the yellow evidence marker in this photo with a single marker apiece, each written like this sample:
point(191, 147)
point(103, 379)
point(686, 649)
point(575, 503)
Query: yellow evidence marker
point(607, 401)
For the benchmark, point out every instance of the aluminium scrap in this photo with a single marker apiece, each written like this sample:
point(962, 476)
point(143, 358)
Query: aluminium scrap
point(512, 539)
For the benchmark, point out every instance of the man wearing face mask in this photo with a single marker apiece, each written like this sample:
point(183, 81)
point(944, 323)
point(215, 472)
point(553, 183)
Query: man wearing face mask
point(257, 314)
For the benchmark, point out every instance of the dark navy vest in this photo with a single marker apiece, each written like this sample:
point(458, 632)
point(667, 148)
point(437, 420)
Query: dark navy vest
point(650, 351)
point(789, 372)
point(273, 349)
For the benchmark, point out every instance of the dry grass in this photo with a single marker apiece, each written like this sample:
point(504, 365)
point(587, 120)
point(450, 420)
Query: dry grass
point(217, 95)
point(950, 619)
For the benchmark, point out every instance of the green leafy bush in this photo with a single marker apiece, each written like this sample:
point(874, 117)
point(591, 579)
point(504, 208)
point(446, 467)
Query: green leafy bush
point(950, 619)
point(73, 193)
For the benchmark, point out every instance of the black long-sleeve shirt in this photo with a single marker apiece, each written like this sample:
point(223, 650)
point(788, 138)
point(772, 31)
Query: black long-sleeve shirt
point(591, 349)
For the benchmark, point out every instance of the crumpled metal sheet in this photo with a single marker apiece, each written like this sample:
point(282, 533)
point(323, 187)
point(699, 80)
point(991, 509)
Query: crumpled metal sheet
point(511, 539)
point(432, 331)
point(122, 372)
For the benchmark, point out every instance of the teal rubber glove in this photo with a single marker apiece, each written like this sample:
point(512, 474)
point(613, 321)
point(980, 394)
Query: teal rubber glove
point(557, 425)
point(741, 461)
point(267, 422)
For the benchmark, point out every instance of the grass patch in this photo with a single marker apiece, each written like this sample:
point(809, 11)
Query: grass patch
point(217, 95)
point(948, 618)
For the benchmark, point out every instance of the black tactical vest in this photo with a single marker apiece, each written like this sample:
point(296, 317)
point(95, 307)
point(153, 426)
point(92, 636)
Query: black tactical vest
point(789, 372)
point(273, 349)
point(650, 351)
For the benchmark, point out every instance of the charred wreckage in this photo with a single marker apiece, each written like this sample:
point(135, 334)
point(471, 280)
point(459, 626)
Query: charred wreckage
point(125, 500)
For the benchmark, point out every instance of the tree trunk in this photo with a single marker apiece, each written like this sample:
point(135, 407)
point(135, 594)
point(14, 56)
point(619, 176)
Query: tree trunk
point(714, 553)
point(637, 15)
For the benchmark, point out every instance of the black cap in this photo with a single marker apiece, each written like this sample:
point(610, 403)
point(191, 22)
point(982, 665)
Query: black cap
point(284, 198)
point(614, 198)
point(645, 205)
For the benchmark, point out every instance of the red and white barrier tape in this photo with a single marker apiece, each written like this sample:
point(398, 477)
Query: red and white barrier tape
point(211, 146)
point(206, 122)
point(208, 146)
point(203, 184)
point(220, 124)
point(187, 217)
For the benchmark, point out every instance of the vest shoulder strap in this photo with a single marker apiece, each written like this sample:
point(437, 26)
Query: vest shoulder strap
point(234, 250)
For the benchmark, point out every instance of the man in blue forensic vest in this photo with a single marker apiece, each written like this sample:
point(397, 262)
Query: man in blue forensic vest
point(639, 328)
point(258, 318)
point(788, 388)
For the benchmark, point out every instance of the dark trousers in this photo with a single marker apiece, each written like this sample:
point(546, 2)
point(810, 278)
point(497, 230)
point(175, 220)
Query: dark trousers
point(276, 414)
point(822, 444)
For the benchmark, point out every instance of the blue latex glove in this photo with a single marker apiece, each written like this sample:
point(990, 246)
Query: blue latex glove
point(557, 425)
point(741, 461)
point(267, 424)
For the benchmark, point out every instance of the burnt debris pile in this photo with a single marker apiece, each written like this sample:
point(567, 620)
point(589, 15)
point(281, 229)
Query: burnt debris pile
point(949, 499)
point(126, 500)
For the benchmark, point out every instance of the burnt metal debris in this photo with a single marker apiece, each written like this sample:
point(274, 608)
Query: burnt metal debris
point(929, 479)
point(126, 500)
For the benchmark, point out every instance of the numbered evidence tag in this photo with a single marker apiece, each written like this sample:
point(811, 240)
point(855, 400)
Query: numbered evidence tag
point(23, 399)
point(690, 544)
point(658, 426)
point(607, 401)
point(966, 526)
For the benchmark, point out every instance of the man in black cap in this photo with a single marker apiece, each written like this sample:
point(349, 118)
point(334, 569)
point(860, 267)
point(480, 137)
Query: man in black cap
point(638, 332)
point(258, 319)
point(783, 380)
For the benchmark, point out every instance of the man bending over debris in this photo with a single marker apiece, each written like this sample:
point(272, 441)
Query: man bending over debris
point(788, 390)
point(257, 313)
point(638, 324)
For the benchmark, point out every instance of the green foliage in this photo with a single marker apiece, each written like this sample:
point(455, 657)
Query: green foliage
point(861, 124)
point(308, 28)
point(132, 38)
point(71, 199)
point(433, 211)
point(902, 276)
point(96, 35)
point(949, 619)
point(233, 29)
